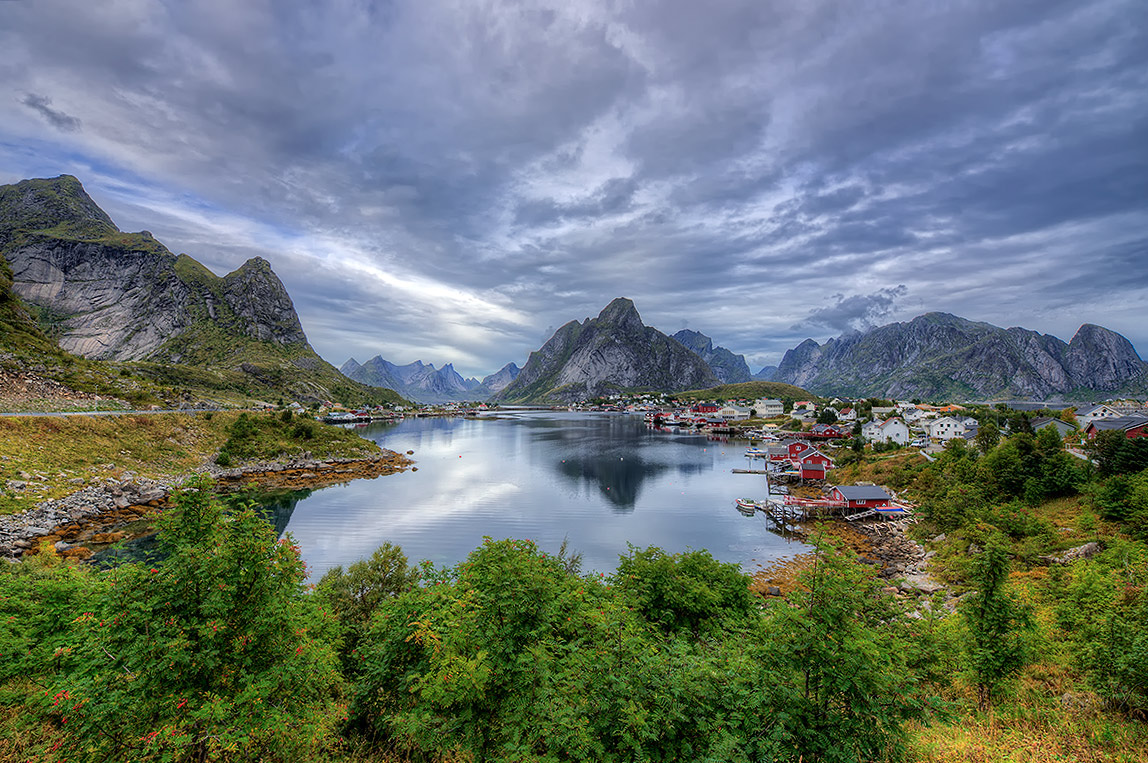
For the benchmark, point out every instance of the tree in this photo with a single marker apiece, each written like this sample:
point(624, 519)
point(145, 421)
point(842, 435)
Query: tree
point(827, 416)
point(354, 596)
point(215, 654)
point(987, 436)
point(996, 643)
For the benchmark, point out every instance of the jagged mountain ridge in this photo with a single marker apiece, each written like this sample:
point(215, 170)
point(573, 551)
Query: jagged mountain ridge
point(767, 373)
point(422, 383)
point(602, 355)
point(728, 367)
point(104, 294)
point(940, 355)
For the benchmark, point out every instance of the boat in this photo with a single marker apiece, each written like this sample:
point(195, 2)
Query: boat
point(748, 505)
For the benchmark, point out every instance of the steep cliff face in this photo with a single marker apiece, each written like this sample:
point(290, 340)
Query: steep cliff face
point(728, 367)
point(500, 379)
point(109, 295)
point(602, 355)
point(941, 355)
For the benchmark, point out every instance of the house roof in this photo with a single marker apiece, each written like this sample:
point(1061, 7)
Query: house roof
point(1122, 423)
point(862, 492)
point(1044, 421)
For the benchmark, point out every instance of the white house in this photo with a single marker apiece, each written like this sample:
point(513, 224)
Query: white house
point(768, 408)
point(946, 428)
point(1086, 416)
point(847, 414)
point(890, 430)
point(733, 413)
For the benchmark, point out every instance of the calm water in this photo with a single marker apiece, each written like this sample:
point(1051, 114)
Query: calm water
point(601, 480)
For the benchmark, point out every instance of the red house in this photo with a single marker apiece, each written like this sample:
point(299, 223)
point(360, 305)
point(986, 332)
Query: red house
point(826, 431)
point(812, 464)
point(705, 408)
point(1133, 426)
point(860, 496)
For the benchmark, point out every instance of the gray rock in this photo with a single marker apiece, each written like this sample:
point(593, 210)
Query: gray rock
point(61, 545)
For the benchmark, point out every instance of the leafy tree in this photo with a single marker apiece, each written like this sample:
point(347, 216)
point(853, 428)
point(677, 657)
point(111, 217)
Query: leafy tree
point(987, 437)
point(996, 644)
point(827, 416)
point(354, 595)
point(683, 591)
point(212, 655)
point(844, 687)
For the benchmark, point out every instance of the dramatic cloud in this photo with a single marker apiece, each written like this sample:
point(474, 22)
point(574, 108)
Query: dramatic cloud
point(440, 181)
point(855, 313)
point(58, 119)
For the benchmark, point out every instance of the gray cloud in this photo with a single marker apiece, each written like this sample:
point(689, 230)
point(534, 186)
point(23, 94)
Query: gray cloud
point(42, 104)
point(454, 177)
point(856, 312)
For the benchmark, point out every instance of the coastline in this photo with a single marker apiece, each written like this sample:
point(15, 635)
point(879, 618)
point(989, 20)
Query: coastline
point(91, 513)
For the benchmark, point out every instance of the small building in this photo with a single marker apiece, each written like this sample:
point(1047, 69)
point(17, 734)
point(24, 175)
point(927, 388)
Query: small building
point(827, 431)
point(733, 413)
point(847, 414)
point(1132, 426)
point(890, 430)
point(768, 408)
point(707, 409)
point(1086, 416)
point(945, 428)
point(1063, 428)
point(860, 496)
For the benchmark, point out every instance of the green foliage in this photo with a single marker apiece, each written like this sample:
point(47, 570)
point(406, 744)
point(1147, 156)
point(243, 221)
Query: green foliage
point(1104, 616)
point(996, 646)
point(684, 591)
point(354, 595)
point(988, 436)
point(827, 416)
point(213, 654)
point(845, 683)
point(1124, 499)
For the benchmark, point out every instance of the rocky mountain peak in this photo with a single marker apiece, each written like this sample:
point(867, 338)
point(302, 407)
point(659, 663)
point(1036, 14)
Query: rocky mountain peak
point(622, 314)
point(43, 203)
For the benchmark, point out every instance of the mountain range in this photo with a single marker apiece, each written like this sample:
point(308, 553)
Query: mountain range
point(729, 368)
point(107, 295)
point(424, 384)
point(607, 354)
point(942, 356)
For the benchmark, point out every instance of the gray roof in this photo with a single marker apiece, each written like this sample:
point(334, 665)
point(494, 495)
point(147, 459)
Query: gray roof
point(1123, 423)
point(862, 492)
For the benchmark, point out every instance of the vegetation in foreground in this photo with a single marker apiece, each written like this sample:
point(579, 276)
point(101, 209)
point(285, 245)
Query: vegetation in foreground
point(68, 452)
point(221, 652)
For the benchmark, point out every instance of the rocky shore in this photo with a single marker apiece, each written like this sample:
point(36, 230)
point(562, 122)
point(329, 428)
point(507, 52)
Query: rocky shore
point(90, 515)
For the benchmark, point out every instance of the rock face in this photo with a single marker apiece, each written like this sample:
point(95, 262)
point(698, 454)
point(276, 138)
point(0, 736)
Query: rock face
point(500, 379)
point(767, 373)
point(109, 295)
point(940, 355)
point(416, 381)
point(602, 355)
point(119, 296)
point(729, 368)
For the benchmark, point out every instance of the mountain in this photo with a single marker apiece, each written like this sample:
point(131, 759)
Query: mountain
point(767, 373)
point(107, 295)
point(607, 354)
point(938, 355)
point(416, 381)
point(729, 368)
point(500, 379)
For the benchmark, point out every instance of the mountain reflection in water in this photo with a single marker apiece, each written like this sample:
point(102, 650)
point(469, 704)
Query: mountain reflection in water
point(600, 480)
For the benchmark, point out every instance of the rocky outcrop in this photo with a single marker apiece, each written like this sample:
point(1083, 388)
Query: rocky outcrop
point(728, 367)
point(124, 296)
point(109, 295)
point(937, 355)
point(602, 355)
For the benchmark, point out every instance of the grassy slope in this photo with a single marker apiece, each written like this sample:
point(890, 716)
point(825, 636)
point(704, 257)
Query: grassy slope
point(750, 391)
point(1031, 724)
point(97, 447)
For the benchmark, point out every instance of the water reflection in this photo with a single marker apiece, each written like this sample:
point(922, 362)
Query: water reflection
point(601, 480)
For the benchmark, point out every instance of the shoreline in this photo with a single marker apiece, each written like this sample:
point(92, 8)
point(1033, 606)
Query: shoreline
point(883, 544)
point(88, 515)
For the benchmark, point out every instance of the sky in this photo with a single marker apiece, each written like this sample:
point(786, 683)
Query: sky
point(451, 181)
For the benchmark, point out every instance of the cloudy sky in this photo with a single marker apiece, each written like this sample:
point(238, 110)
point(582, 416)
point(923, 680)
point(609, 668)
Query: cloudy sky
point(452, 180)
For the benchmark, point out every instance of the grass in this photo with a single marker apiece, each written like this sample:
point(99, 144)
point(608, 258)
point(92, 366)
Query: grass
point(64, 450)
